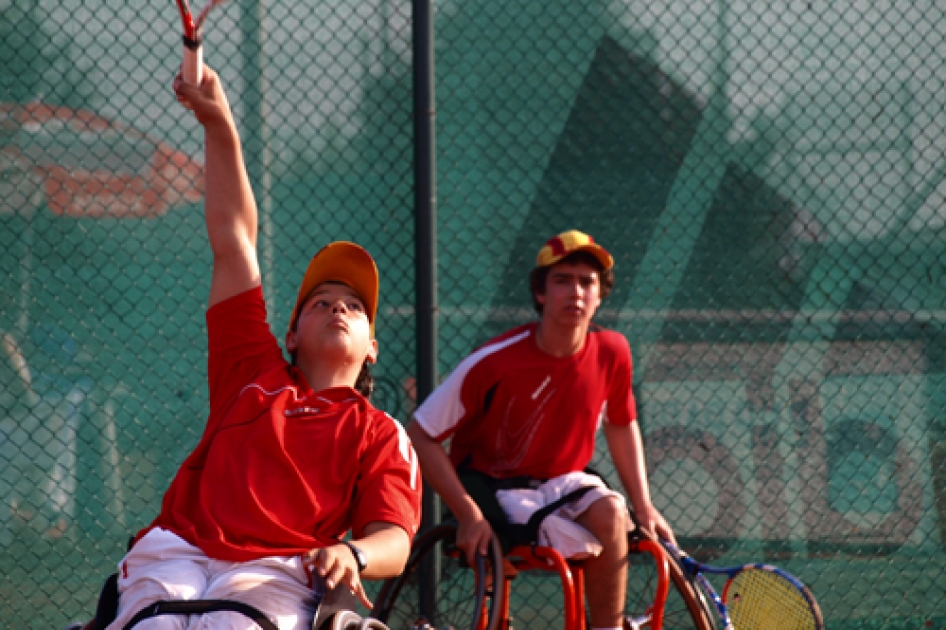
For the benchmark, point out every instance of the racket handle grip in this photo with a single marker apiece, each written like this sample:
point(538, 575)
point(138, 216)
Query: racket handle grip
point(192, 67)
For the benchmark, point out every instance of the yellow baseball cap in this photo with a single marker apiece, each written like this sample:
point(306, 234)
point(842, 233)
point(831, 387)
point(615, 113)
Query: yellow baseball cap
point(560, 246)
point(343, 262)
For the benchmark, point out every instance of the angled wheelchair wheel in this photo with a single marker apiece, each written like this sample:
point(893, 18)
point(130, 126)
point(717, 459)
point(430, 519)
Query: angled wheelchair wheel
point(462, 598)
point(686, 607)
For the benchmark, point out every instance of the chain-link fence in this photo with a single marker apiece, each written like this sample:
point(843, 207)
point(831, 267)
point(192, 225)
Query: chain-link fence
point(768, 175)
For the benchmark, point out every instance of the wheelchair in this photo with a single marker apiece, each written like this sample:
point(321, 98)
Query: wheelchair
point(659, 592)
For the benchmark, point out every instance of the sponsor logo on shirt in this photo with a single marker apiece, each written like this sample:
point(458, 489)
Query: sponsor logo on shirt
point(298, 411)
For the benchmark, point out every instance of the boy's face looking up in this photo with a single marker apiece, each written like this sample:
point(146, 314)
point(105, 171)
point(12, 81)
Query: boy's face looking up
point(572, 294)
point(333, 325)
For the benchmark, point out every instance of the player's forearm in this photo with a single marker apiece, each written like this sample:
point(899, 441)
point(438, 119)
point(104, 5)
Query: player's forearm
point(387, 547)
point(439, 473)
point(627, 453)
point(230, 214)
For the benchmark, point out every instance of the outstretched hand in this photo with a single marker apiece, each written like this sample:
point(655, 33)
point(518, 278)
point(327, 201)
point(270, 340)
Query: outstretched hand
point(208, 101)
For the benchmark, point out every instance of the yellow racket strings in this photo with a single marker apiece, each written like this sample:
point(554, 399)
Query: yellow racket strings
point(762, 600)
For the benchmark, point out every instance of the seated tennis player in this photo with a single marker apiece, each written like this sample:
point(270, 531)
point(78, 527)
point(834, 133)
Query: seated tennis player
point(293, 455)
point(523, 412)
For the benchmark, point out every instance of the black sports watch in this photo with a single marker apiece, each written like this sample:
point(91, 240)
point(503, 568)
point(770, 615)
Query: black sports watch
point(360, 558)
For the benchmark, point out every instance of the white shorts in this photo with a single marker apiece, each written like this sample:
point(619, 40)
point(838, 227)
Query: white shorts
point(558, 529)
point(164, 566)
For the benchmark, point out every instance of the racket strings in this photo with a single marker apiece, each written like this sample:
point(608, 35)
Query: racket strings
point(762, 600)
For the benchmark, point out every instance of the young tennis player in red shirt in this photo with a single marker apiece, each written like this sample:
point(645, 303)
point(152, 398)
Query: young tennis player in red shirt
point(523, 411)
point(293, 455)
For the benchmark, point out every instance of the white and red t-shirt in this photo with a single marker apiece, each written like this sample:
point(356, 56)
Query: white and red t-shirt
point(281, 469)
point(513, 409)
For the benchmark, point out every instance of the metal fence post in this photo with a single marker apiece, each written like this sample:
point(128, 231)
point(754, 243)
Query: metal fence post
point(425, 235)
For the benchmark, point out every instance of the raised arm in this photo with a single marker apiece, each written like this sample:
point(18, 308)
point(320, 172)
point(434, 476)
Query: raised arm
point(230, 209)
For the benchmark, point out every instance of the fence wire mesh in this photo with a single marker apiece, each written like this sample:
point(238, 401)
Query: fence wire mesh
point(769, 177)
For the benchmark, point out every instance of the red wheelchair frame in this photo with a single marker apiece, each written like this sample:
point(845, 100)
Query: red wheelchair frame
point(401, 602)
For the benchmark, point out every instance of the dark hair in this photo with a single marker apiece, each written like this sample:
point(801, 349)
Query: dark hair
point(364, 384)
point(540, 275)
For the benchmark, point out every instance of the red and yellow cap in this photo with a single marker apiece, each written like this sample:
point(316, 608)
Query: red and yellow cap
point(343, 262)
point(560, 246)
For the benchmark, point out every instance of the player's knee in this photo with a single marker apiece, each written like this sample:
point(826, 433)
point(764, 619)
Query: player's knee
point(612, 509)
point(606, 518)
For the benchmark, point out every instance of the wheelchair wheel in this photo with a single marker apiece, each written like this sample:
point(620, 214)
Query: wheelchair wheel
point(686, 607)
point(462, 597)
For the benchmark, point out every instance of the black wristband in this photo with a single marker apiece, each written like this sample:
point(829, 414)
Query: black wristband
point(193, 44)
point(360, 558)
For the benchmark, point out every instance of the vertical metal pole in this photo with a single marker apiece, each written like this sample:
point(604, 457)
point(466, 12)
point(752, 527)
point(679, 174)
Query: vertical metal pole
point(256, 135)
point(425, 240)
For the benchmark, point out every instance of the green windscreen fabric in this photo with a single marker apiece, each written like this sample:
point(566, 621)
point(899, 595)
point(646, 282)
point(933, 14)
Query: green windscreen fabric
point(768, 177)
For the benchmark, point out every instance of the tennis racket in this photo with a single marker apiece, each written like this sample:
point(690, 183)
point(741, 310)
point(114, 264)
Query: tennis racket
point(192, 68)
point(756, 596)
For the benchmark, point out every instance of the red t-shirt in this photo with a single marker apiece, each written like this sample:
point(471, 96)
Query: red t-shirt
point(281, 469)
point(514, 410)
